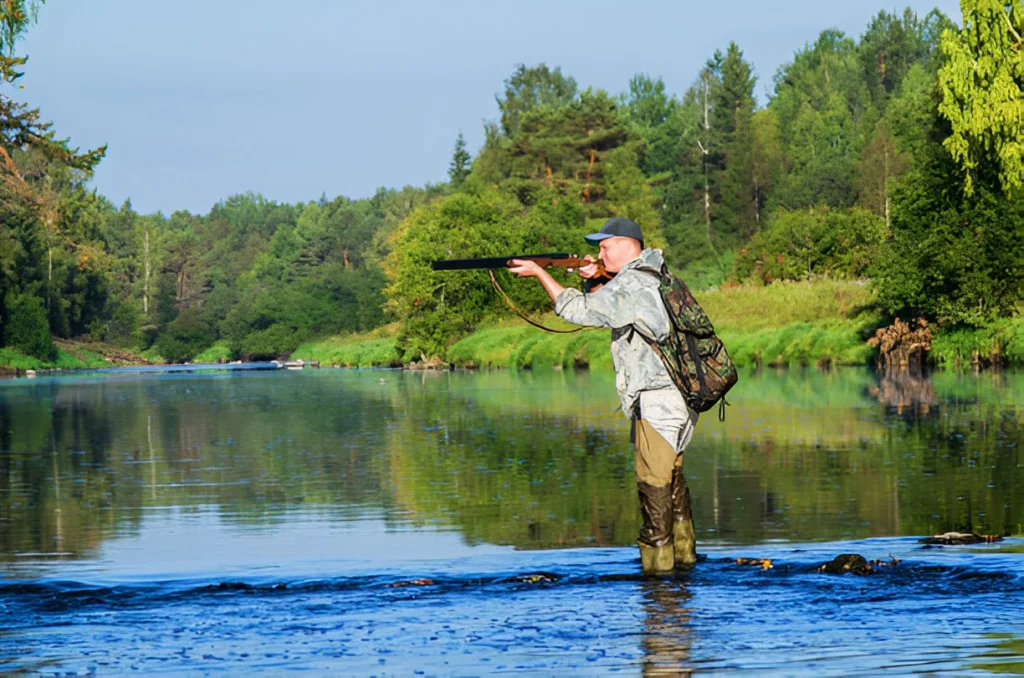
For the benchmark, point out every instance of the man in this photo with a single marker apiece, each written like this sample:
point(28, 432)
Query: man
point(662, 424)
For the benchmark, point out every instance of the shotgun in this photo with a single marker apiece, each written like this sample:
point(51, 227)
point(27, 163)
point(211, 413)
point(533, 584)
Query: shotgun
point(549, 260)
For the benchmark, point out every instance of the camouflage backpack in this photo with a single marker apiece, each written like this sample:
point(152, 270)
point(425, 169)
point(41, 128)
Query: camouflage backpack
point(695, 358)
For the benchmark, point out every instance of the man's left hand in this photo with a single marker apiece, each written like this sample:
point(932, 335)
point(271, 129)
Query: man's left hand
point(524, 268)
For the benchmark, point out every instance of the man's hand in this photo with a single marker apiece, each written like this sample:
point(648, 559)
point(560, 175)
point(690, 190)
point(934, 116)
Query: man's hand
point(590, 270)
point(525, 268)
point(528, 268)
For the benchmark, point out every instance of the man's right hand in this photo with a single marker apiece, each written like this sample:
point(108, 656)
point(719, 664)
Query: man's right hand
point(590, 270)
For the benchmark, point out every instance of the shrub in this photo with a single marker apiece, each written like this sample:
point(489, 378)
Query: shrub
point(218, 353)
point(438, 307)
point(123, 327)
point(27, 329)
point(276, 340)
point(800, 244)
point(952, 258)
point(186, 336)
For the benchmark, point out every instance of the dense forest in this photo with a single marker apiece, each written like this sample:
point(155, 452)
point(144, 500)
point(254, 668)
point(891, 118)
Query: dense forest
point(894, 157)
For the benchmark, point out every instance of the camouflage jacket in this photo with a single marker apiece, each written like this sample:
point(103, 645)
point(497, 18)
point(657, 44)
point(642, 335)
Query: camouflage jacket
point(630, 299)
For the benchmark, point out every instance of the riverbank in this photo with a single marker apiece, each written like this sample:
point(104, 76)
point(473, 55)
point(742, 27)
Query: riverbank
point(822, 323)
point(819, 323)
point(71, 355)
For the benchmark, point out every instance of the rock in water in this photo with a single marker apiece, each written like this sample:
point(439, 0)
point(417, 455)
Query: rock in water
point(847, 562)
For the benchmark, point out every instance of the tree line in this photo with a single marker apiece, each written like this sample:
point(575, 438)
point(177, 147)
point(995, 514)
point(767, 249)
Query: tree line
point(895, 156)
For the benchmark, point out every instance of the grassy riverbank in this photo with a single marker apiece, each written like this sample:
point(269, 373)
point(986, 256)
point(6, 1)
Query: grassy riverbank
point(787, 324)
point(9, 358)
point(369, 349)
point(70, 355)
point(1001, 342)
point(825, 322)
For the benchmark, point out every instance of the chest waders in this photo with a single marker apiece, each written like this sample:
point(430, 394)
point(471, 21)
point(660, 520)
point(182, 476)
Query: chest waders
point(667, 539)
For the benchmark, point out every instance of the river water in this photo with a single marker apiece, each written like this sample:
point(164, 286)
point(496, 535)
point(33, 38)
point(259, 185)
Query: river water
point(397, 523)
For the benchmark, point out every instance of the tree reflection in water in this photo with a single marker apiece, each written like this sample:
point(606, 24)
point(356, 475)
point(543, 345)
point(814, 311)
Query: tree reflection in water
point(529, 460)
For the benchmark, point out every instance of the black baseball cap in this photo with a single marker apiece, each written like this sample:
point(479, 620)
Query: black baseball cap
point(617, 226)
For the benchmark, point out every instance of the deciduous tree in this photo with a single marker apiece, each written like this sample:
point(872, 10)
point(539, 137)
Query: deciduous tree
point(982, 85)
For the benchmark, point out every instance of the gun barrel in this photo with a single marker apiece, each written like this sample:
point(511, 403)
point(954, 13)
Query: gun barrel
point(490, 262)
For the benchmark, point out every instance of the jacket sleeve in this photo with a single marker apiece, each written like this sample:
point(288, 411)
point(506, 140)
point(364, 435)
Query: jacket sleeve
point(623, 302)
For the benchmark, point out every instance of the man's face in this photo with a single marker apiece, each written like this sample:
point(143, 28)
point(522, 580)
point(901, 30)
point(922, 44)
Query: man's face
point(618, 251)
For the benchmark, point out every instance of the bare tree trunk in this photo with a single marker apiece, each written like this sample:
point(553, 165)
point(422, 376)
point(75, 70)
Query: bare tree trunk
point(181, 284)
point(885, 182)
point(145, 280)
point(757, 207)
point(707, 128)
point(704, 155)
point(49, 263)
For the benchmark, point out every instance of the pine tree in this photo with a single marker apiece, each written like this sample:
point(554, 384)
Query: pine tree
point(21, 128)
point(458, 170)
point(531, 88)
point(733, 117)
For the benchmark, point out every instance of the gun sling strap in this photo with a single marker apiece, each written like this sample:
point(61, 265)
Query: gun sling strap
point(511, 304)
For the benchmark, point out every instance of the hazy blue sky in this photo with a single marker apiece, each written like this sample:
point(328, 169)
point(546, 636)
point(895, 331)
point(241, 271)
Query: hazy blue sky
point(202, 99)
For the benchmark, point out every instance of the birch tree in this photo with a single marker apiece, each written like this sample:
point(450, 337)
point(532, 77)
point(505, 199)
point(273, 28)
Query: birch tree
point(981, 86)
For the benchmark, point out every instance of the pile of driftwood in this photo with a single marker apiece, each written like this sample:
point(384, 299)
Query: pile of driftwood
point(903, 345)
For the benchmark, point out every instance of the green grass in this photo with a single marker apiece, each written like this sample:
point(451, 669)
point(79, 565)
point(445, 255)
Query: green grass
point(807, 323)
point(370, 349)
point(152, 356)
point(1003, 341)
point(822, 343)
point(518, 345)
point(65, 361)
point(820, 322)
point(751, 308)
point(351, 353)
point(522, 346)
point(218, 353)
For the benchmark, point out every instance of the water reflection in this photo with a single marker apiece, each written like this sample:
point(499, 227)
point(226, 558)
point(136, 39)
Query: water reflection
point(534, 460)
point(902, 390)
point(247, 522)
point(667, 635)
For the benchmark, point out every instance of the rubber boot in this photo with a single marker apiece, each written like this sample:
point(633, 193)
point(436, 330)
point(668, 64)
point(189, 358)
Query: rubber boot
point(684, 536)
point(656, 551)
point(656, 559)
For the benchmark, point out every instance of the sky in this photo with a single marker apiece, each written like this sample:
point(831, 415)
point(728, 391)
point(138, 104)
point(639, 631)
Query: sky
point(198, 100)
